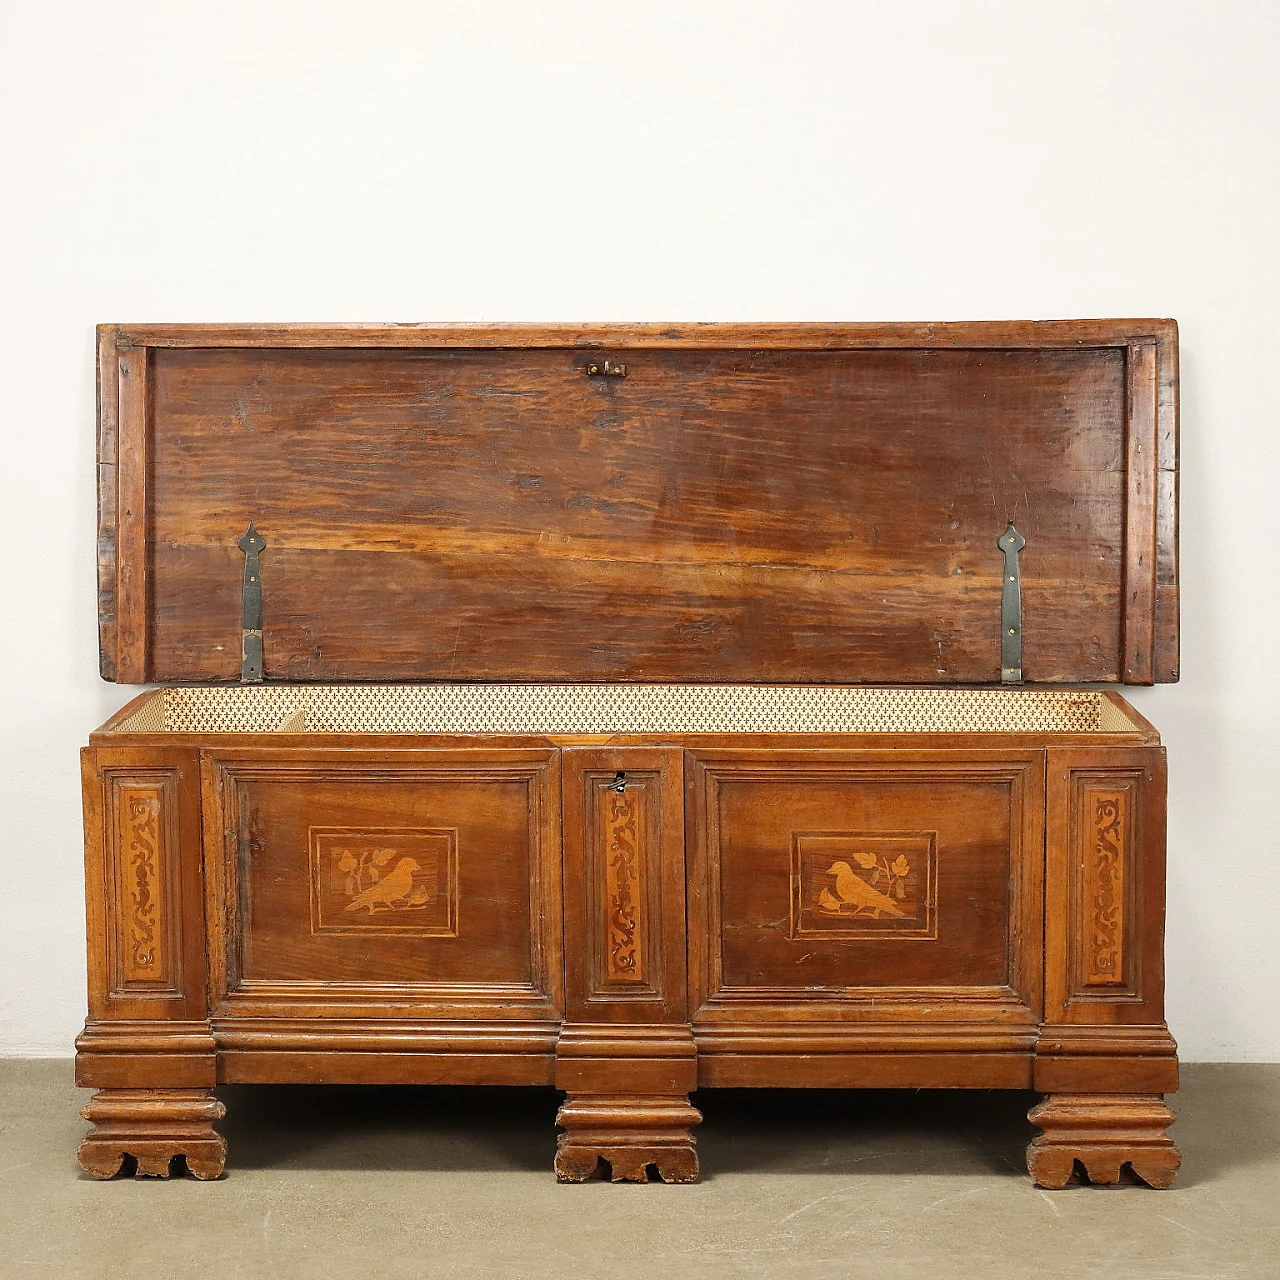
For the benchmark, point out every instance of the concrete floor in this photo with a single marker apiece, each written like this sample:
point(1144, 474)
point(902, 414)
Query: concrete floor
point(369, 1183)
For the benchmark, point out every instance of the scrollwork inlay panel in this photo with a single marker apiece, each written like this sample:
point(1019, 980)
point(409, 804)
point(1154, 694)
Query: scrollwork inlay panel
point(142, 842)
point(624, 951)
point(1104, 890)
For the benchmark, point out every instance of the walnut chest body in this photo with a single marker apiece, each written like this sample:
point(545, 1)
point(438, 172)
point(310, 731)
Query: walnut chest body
point(633, 709)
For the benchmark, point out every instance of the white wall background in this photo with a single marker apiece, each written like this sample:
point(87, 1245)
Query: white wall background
point(627, 161)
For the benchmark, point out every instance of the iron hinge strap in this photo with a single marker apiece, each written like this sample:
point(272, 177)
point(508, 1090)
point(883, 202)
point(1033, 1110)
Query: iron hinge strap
point(251, 607)
point(1011, 542)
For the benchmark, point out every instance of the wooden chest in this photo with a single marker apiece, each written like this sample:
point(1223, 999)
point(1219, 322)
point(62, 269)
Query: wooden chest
point(633, 709)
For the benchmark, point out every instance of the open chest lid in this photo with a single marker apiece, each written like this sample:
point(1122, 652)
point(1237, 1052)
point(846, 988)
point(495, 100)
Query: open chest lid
point(685, 503)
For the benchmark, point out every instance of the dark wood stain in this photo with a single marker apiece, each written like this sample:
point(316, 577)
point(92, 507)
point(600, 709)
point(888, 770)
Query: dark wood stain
point(437, 513)
point(799, 503)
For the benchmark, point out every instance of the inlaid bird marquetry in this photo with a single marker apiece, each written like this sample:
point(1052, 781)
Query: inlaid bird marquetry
point(628, 735)
point(394, 891)
point(854, 896)
point(383, 880)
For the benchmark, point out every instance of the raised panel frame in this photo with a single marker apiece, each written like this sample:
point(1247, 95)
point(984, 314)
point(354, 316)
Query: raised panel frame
point(1018, 1003)
point(142, 882)
point(655, 857)
point(233, 998)
point(1104, 871)
point(1104, 887)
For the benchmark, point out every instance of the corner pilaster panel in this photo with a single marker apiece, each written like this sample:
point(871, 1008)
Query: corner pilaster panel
point(147, 1021)
point(1104, 1024)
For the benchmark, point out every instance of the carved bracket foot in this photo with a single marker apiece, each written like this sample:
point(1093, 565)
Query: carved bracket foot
point(154, 1127)
point(1103, 1132)
point(631, 1134)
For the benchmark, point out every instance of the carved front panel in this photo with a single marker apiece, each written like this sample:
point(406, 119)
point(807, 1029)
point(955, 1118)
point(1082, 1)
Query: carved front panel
point(844, 879)
point(143, 845)
point(1104, 817)
point(350, 876)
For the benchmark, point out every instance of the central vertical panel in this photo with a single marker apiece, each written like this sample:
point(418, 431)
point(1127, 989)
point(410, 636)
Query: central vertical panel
point(624, 851)
point(626, 1055)
point(624, 868)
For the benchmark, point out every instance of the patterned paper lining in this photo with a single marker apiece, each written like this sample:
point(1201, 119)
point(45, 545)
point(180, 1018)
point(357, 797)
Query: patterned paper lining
point(590, 709)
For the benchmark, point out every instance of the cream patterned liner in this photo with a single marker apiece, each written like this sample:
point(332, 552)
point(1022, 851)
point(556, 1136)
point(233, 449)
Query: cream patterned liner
point(589, 709)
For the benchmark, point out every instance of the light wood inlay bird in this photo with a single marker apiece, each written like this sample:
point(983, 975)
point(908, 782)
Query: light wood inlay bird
point(387, 893)
point(853, 891)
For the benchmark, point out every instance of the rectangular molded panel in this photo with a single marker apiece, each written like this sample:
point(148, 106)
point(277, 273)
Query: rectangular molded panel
point(834, 877)
point(1105, 884)
point(864, 882)
point(748, 510)
point(624, 861)
point(1104, 830)
point(620, 834)
point(343, 875)
point(146, 942)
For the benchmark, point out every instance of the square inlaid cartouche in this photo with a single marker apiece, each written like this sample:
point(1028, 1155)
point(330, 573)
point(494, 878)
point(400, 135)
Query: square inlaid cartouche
point(864, 884)
point(384, 880)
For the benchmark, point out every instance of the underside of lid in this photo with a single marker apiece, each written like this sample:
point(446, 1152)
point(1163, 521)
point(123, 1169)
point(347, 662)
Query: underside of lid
point(709, 503)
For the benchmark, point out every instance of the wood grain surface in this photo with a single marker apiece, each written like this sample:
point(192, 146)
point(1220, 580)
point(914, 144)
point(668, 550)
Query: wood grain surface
point(862, 911)
point(782, 503)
